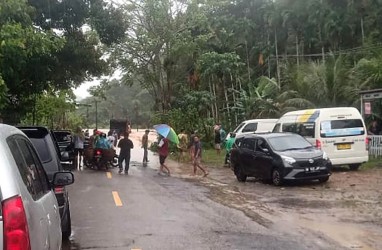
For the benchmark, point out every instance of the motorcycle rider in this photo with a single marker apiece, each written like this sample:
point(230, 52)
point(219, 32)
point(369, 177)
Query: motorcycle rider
point(102, 142)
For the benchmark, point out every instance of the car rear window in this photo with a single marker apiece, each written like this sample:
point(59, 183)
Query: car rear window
point(305, 129)
point(62, 136)
point(239, 127)
point(282, 143)
point(42, 149)
point(250, 127)
point(339, 128)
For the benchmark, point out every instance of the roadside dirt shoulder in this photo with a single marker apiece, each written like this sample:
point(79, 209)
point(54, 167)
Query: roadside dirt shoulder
point(347, 209)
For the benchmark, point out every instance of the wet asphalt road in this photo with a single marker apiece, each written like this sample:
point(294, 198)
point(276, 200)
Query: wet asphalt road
point(145, 211)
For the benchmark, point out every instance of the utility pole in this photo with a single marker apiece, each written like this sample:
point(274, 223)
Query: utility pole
point(96, 118)
point(87, 111)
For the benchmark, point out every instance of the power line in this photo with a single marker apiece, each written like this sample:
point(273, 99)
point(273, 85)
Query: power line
point(339, 52)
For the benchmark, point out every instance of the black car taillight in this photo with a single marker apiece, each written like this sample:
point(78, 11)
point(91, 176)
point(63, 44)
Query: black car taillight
point(16, 233)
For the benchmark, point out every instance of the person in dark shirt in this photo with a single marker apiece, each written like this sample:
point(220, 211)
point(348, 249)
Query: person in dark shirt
point(124, 155)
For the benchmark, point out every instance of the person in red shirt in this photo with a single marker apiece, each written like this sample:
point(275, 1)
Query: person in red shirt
point(163, 153)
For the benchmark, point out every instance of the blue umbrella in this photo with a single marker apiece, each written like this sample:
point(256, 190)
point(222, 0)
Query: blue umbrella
point(167, 132)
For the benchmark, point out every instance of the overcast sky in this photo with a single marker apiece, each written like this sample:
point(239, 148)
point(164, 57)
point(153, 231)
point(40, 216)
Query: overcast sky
point(82, 91)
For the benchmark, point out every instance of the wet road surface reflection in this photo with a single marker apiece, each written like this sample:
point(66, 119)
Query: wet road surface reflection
point(70, 244)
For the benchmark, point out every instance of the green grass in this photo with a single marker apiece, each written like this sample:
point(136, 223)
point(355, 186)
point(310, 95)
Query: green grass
point(372, 163)
point(209, 157)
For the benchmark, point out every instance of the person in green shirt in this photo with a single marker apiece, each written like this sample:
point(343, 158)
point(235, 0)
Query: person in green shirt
point(228, 146)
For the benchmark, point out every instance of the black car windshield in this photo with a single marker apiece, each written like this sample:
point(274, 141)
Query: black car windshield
point(289, 142)
point(42, 149)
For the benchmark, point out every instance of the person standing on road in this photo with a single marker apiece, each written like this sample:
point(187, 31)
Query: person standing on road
point(217, 139)
point(78, 140)
point(183, 144)
point(111, 139)
point(124, 155)
point(223, 135)
point(198, 157)
point(115, 134)
point(163, 153)
point(145, 144)
point(228, 146)
point(191, 145)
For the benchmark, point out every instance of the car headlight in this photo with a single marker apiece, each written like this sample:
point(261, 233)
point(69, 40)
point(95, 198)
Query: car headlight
point(325, 156)
point(288, 161)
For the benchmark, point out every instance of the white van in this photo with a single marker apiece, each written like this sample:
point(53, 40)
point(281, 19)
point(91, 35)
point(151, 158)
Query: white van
point(340, 132)
point(255, 126)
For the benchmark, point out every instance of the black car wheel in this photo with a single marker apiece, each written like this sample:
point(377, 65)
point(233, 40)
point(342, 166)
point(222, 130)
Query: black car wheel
point(240, 175)
point(354, 167)
point(67, 227)
point(277, 179)
point(323, 179)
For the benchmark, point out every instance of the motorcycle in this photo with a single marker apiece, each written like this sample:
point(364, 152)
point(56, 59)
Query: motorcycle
point(100, 158)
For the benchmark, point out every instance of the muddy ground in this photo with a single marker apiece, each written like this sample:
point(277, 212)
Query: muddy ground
point(347, 209)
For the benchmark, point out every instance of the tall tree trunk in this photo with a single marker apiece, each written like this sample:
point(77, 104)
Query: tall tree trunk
point(211, 91)
point(226, 97)
point(269, 62)
point(297, 53)
point(363, 32)
point(215, 101)
point(277, 60)
point(248, 67)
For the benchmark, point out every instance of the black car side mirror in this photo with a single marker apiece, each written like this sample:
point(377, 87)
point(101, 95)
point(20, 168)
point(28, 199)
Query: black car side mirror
point(62, 179)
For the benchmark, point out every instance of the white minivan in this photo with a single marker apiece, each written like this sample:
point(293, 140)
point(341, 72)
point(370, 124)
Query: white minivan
point(255, 126)
point(340, 132)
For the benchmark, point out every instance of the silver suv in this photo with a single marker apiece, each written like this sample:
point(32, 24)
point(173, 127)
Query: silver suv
point(29, 216)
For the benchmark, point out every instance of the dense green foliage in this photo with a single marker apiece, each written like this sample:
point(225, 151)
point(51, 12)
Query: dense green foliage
point(193, 62)
point(51, 46)
point(258, 58)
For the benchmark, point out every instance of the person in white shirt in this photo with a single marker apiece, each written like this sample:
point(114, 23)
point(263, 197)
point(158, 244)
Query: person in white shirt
point(78, 141)
point(111, 139)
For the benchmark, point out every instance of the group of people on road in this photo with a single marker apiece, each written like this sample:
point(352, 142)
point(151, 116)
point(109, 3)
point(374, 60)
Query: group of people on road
point(187, 145)
point(192, 145)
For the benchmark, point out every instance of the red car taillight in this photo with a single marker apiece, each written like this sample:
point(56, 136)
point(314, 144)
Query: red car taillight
point(16, 233)
point(318, 144)
point(59, 190)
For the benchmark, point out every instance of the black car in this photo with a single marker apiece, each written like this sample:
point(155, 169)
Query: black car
point(48, 150)
point(65, 145)
point(278, 157)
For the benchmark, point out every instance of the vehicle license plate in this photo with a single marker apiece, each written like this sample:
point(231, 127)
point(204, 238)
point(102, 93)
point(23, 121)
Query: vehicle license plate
point(312, 169)
point(343, 146)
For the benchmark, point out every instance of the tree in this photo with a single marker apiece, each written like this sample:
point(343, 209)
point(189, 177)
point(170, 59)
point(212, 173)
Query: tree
point(45, 46)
